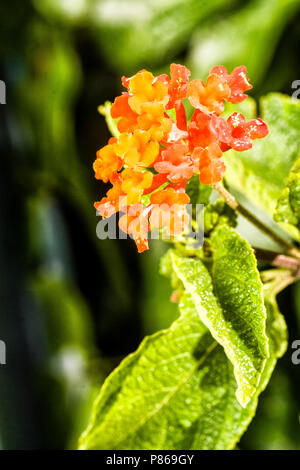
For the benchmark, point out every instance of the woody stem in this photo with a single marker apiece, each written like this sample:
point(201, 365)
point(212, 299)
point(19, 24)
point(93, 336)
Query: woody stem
point(277, 259)
point(234, 204)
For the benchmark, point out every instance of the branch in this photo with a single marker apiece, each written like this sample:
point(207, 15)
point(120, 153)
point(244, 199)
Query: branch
point(234, 204)
point(277, 259)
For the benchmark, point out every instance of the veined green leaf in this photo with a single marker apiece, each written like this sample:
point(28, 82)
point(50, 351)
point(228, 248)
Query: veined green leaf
point(230, 303)
point(288, 205)
point(177, 391)
point(262, 172)
point(276, 328)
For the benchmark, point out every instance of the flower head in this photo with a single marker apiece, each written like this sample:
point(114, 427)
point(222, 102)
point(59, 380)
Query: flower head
point(150, 163)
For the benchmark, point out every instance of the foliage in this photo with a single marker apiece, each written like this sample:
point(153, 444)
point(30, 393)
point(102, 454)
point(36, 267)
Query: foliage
point(287, 209)
point(177, 391)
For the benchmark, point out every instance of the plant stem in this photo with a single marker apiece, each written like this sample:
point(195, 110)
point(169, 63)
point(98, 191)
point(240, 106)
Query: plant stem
point(274, 274)
point(277, 259)
point(234, 204)
point(111, 124)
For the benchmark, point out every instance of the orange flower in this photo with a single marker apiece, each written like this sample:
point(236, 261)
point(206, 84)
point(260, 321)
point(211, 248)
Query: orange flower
point(133, 183)
point(143, 107)
point(178, 84)
point(158, 125)
point(157, 181)
point(220, 87)
point(169, 196)
point(107, 163)
point(110, 204)
point(209, 97)
point(147, 94)
point(135, 222)
point(176, 163)
point(204, 129)
point(241, 132)
point(237, 81)
point(121, 109)
point(137, 149)
point(177, 91)
point(211, 166)
point(169, 211)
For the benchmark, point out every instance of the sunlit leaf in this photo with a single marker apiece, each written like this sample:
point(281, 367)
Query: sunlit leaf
point(262, 172)
point(230, 303)
point(177, 391)
point(288, 205)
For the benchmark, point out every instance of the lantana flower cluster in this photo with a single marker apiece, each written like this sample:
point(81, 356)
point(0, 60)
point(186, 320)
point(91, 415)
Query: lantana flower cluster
point(157, 151)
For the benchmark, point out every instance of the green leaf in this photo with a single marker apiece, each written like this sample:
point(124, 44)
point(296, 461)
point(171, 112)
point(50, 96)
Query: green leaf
point(288, 205)
point(177, 391)
point(275, 410)
point(276, 327)
point(230, 303)
point(261, 173)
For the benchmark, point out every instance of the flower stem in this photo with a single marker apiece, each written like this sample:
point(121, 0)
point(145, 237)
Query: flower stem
point(274, 274)
point(234, 204)
point(277, 259)
point(111, 124)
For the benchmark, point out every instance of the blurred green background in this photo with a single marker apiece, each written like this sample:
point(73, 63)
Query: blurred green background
point(71, 305)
